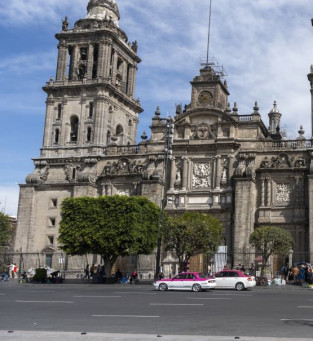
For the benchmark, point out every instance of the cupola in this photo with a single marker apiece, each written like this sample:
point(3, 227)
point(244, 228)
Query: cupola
point(103, 10)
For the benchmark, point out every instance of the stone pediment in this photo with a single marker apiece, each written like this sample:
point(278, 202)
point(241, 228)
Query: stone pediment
point(197, 116)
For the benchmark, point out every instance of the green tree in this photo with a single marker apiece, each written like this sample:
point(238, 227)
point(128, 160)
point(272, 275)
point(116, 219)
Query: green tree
point(110, 226)
point(6, 229)
point(192, 233)
point(270, 240)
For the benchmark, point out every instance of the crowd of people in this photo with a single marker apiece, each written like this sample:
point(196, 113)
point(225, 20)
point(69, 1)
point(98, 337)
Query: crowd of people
point(298, 273)
point(98, 273)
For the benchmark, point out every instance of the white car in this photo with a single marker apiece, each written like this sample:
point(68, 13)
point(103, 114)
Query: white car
point(194, 281)
point(234, 279)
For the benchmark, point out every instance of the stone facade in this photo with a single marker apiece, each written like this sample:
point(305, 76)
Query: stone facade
point(220, 162)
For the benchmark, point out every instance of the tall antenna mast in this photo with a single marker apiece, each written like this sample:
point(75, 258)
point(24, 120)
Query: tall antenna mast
point(209, 32)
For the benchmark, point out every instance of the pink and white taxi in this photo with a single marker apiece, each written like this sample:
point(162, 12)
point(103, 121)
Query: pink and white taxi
point(194, 281)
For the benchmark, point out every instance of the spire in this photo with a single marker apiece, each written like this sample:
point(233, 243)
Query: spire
point(274, 119)
point(103, 9)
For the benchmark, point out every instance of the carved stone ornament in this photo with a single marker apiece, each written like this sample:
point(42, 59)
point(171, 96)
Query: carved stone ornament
point(202, 175)
point(283, 193)
point(224, 176)
point(123, 166)
point(38, 176)
point(282, 161)
point(178, 180)
point(204, 132)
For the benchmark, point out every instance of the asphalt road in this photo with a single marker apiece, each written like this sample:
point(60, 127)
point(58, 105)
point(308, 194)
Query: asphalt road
point(138, 309)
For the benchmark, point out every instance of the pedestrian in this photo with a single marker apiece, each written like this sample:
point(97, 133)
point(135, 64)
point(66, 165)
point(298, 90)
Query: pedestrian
point(295, 272)
point(92, 270)
point(133, 277)
point(243, 269)
point(87, 275)
point(225, 267)
point(118, 276)
point(251, 270)
point(161, 275)
point(11, 270)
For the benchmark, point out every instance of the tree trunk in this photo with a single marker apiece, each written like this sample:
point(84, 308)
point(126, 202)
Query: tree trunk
point(108, 264)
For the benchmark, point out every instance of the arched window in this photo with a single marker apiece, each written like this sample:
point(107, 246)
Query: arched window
point(90, 109)
point(56, 136)
point(108, 137)
point(119, 130)
point(74, 129)
point(89, 134)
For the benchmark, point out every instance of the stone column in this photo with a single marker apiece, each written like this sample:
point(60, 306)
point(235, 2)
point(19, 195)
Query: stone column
point(63, 126)
point(131, 78)
point(90, 62)
point(50, 116)
point(73, 74)
point(185, 173)
point(310, 78)
point(310, 204)
point(269, 192)
point(107, 54)
point(218, 172)
point(99, 125)
point(173, 174)
point(101, 61)
point(62, 62)
point(114, 67)
point(262, 192)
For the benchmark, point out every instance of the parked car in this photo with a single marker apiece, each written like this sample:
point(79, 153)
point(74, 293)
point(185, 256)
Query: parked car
point(194, 281)
point(234, 279)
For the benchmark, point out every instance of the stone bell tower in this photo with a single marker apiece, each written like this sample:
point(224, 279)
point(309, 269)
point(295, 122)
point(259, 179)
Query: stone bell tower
point(91, 102)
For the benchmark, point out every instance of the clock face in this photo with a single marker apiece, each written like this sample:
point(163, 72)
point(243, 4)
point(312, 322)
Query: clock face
point(205, 97)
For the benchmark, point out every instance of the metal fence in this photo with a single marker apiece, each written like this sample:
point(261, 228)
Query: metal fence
point(73, 266)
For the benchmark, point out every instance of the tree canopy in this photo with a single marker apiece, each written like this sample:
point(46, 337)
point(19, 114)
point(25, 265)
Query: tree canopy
point(110, 226)
point(192, 233)
point(6, 229)
point(271, 240)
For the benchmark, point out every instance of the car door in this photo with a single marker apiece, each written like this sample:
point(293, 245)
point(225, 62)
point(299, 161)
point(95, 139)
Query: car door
point(221, 279)
point(232, 279)
point(189, 281)
point(177, 282)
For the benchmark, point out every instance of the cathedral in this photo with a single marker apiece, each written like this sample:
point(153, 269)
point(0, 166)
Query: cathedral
point(207, 157)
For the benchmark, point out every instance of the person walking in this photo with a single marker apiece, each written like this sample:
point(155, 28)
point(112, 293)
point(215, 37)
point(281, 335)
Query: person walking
point(92, 270)
point(87, 275)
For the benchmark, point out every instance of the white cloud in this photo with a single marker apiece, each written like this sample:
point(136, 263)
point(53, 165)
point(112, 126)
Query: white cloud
point(24, 64)
point(9, 199)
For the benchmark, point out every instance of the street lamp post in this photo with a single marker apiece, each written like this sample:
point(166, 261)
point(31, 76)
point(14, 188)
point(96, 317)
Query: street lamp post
point(169, 136)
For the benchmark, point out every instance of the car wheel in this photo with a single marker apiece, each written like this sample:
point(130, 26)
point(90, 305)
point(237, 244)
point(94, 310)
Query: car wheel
point(240, 286)
point(163, 287)
point(196, 287)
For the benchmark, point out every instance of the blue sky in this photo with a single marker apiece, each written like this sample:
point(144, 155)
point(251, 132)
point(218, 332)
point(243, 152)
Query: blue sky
point(265, 46)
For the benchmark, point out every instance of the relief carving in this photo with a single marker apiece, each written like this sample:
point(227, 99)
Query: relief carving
point(123, 166)
point(202, 175)
point(283, 193)
point(283, 161)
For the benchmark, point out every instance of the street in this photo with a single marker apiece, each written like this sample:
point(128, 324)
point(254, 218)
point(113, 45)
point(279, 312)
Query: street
point(138, 309)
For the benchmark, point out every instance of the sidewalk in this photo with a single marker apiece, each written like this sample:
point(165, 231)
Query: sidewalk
point(71, 336)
